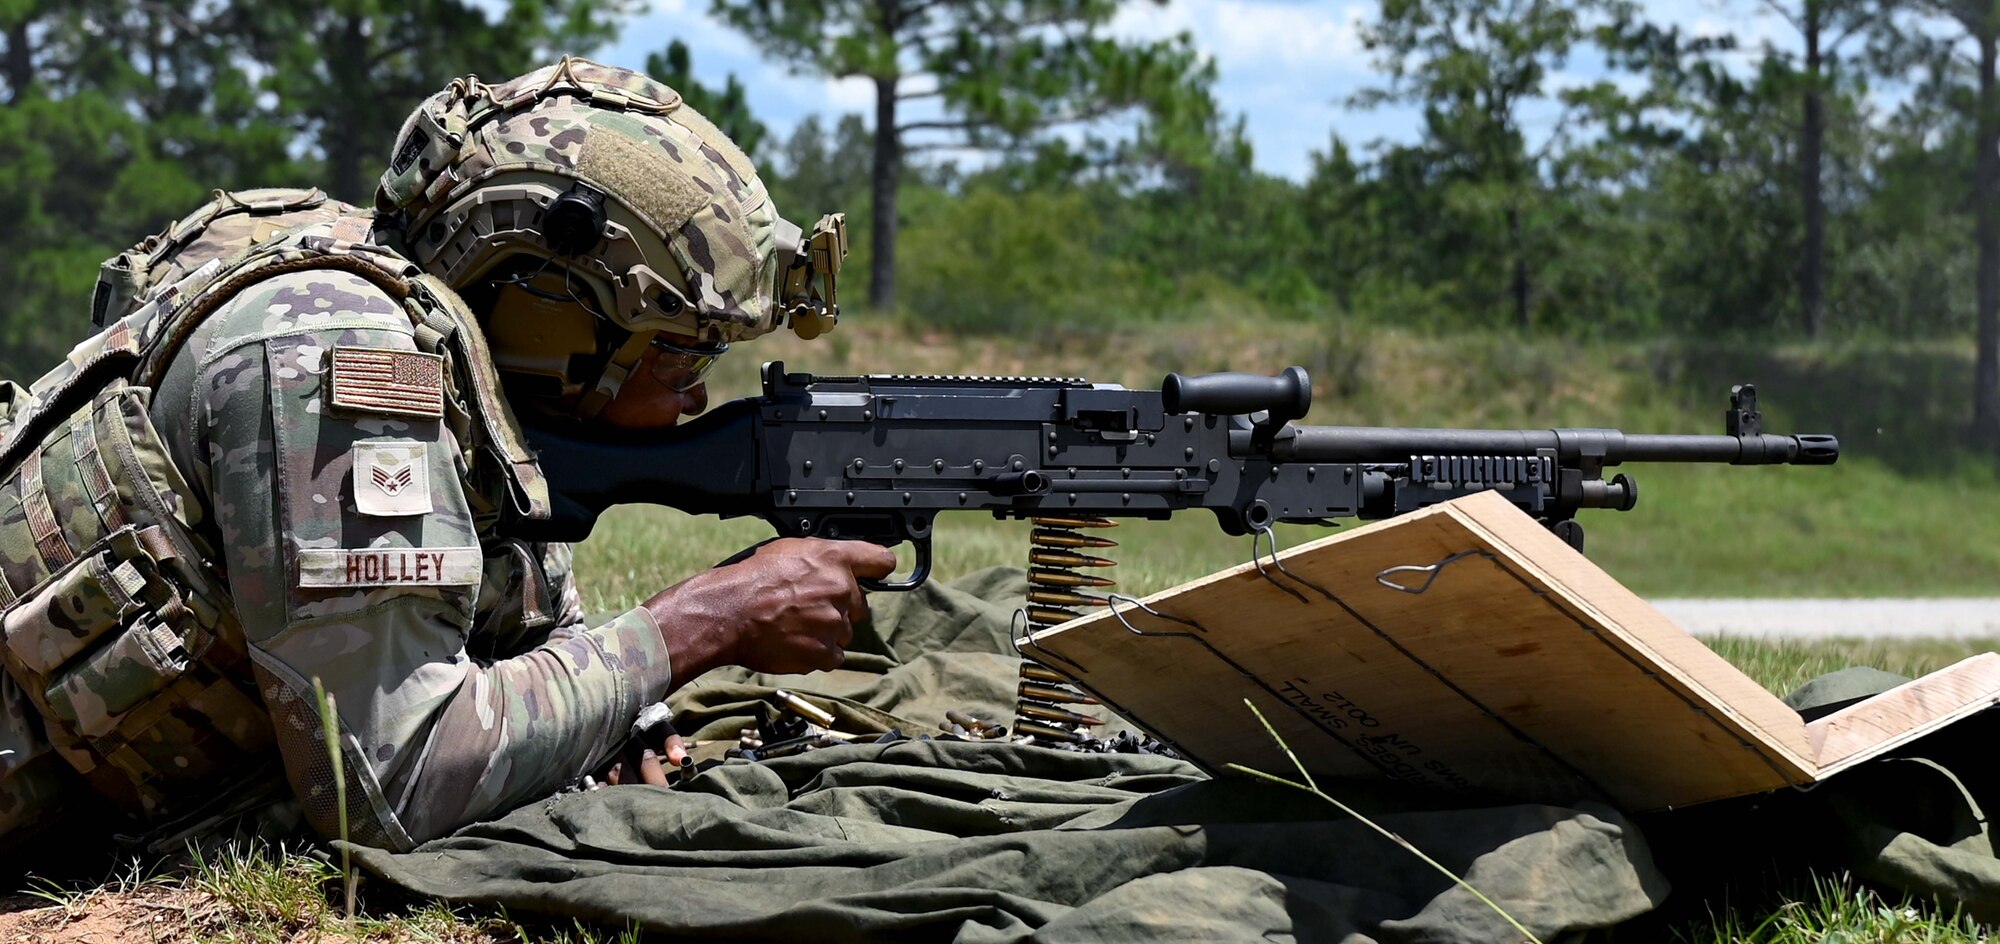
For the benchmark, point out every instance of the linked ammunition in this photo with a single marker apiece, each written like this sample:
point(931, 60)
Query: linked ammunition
point(1042, 673)
point(1064, 598)
point(1054, 558)
point(1064, 578)
point(1046, 616)
point(1031, 709)
point(1047, 538)
point(1050, 693)
point(1077, 522)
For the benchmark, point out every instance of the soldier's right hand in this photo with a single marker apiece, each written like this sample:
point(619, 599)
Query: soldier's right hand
point(789, 606)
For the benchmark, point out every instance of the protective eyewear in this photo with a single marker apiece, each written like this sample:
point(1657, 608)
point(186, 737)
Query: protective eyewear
point(691, 363)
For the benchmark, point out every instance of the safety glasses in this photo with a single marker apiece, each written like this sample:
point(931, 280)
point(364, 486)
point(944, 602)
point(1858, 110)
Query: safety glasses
point(691, 364)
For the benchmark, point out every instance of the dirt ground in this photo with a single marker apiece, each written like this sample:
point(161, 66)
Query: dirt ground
point(162, 915)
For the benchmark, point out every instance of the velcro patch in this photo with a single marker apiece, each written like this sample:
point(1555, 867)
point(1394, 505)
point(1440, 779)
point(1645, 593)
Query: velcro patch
point(391, 478)
point(389, 567)
point(385, 380)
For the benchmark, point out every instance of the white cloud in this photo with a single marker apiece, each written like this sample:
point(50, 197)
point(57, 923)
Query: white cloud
point(845, 95)
point(1263, 34)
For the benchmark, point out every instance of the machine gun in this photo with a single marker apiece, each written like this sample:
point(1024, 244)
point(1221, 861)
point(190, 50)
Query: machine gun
point(879, 457)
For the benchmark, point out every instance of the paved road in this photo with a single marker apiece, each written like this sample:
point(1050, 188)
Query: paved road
point(1960, 617)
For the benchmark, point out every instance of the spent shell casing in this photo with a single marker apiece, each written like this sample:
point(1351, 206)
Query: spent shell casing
point(1029, 709)
point(1065, 598)
point(1075, 522)
point(1050, 693)
point(1048, 616)
point(1065, 578)
point(1042, 673)
point(802, 708)
point(1053, 558)
point(1049, 731)
point(965, 719)
point(1048, 538)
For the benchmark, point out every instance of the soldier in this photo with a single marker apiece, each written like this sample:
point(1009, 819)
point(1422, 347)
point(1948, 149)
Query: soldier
point(337, 411)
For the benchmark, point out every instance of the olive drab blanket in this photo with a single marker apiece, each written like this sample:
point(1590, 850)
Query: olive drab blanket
point(940, 840)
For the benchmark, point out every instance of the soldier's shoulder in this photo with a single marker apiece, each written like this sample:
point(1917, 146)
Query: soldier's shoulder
point(304, 301)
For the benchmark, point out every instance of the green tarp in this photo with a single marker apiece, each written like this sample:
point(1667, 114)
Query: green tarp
point(939, 840)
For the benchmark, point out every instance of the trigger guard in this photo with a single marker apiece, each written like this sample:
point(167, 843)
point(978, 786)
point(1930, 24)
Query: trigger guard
point(916, 579)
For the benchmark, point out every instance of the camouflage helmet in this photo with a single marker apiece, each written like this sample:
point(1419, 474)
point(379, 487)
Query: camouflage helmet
point(595, 184)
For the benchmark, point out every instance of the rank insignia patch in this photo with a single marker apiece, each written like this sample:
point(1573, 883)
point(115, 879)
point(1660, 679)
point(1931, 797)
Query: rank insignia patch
point(387, 381)
point(391, 478)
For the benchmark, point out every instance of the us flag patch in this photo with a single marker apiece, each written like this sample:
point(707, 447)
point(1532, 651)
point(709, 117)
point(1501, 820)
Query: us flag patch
point(383, 380)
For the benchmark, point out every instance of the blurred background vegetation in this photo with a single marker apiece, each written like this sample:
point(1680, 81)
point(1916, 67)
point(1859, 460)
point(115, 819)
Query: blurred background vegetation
point(1825, 220)
point(1672, 197)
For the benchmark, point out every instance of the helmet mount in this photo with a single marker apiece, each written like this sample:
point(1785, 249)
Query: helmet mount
point(575, 223)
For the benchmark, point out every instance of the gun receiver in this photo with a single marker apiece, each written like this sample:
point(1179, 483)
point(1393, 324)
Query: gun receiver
point(878, 457)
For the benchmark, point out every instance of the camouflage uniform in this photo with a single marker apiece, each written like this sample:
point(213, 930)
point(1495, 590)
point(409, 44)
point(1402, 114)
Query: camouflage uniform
point(434, 737)
point(345, 450)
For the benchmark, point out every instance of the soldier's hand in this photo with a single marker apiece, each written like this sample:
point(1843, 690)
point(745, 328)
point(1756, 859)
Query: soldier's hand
point(790, 606)
point(646, 759)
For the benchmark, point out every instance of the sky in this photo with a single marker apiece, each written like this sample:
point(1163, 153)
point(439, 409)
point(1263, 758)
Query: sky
point(1288, 67)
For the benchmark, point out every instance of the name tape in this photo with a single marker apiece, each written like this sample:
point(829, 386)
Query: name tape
point(390, 567)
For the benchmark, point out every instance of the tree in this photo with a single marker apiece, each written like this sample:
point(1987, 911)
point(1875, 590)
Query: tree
point(1978, 25)
point(729, 109)
point(346, 72)
point(118, 118)
point(1473, 66)
point(1000, 70)
point(1824, 28)
point(815, 172)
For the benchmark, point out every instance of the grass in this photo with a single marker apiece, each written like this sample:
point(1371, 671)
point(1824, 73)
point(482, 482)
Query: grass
point(269, 894)
point(1833, 910)
point(1783, 665)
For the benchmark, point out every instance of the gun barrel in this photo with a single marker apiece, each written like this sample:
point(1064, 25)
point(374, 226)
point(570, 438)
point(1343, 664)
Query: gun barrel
point(1398, 444)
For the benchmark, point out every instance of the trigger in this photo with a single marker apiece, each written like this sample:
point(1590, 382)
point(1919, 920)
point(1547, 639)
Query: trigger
point(918, 574)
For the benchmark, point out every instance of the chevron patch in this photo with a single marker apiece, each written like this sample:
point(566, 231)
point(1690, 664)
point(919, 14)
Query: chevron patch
point(391, 478)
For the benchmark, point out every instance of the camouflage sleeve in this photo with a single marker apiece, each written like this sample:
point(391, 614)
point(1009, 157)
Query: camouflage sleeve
point(559, 563)
point(353, 560)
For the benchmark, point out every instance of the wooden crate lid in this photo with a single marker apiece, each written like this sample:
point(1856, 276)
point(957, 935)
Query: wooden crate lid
point(1521, 670)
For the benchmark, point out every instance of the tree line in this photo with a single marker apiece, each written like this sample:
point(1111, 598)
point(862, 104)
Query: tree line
point(1839, 184)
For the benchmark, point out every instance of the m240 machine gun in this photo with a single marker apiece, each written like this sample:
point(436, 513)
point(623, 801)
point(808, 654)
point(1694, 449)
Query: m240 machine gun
point(879, 457)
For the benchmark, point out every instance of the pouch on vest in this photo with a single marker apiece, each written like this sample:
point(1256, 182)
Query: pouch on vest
point(115, 627)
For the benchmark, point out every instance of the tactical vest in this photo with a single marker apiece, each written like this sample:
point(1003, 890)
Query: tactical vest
point(229, 223)
point(118, 626)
